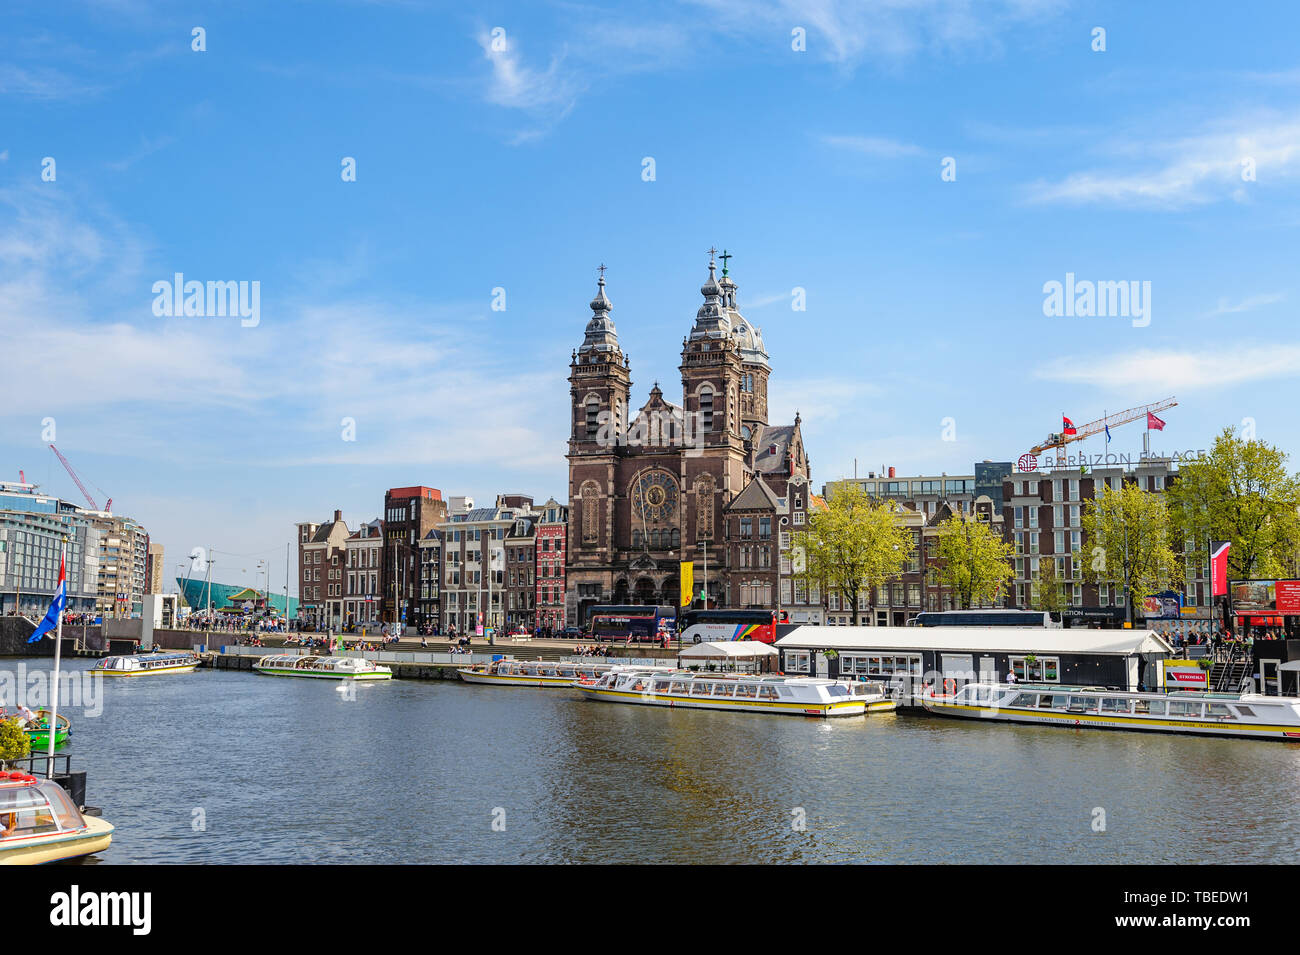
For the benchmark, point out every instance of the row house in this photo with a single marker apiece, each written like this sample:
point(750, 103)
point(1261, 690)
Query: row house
point(410, 513)
point(363, 563)
point(321, 556)
point(430, 574)
point(550, 599)
point(474, 569)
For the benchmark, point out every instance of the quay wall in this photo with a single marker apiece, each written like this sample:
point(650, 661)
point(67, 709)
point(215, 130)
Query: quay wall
point(14, 632)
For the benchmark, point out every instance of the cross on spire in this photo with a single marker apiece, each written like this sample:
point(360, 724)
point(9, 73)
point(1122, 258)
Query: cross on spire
point(724, 256)
point(601, 270)
point(712, 253)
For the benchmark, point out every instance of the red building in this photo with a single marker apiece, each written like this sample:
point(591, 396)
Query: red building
point(552, 529)
point(410, 513)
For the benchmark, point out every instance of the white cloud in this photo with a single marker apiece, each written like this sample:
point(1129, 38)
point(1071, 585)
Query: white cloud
point(1171, 370)
point(1246, 304)
point(518, 86)
point(1184, 171)
point(877, 146)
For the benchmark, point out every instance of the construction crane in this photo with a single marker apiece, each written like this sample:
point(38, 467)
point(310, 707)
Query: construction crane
point(1059, 441)
point(86, 494)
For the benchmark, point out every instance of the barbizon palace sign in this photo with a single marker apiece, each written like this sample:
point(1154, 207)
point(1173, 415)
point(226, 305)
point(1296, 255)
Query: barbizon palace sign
point(1111, 459)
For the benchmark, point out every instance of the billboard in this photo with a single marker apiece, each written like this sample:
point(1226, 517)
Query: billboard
point(1265, 597)
point(1166, 605)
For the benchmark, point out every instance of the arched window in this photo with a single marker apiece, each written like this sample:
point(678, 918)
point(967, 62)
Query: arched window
point(636, 538)
point(704, 507)
point(590, 517)
point(706, 408)
point(676, 538)
point(654, 539)
point(593, 417)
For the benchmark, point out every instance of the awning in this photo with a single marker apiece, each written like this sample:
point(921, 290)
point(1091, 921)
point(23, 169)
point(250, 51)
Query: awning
point(728, 650)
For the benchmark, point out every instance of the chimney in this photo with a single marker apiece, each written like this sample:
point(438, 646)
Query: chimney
point(338, 515)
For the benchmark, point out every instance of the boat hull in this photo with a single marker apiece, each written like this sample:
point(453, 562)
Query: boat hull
point(492, 679)
point(183, 668)
point(40, 739)
point(1149, 724)
point(848, 707)
point(58, 846)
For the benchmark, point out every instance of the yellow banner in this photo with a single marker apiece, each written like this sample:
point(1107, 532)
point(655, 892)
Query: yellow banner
point(688, 583)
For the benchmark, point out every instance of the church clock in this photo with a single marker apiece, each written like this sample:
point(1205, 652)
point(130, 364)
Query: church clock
point(654, 497)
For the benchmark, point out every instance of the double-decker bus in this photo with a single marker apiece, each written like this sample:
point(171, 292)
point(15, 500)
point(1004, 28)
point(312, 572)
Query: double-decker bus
point(986, 618)
point(639, 622)
point(708, 626)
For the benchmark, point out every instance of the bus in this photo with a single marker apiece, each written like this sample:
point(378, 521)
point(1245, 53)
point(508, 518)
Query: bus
point(987, 618)
point(639, 622)
point(709, 626)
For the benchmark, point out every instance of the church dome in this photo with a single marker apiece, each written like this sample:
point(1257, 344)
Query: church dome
point(601, 336)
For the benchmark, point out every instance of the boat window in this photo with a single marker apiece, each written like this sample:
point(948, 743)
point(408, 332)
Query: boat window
point(1219, 711)
point(65, 812)
point(746, 690)
point(1025, 699)
point(1114, 704)
point(1157, 707)
point(661, 686)
point(1141, 706)
point(1184, 708)
point(701, 689)
point(1245, 710)
point(26, 811)
point(767, 693)
point(723, 689)
point(679, 687)
point(838, 689)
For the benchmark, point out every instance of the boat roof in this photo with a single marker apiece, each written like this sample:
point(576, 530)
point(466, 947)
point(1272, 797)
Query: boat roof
point(728, 650)
point(976, 639)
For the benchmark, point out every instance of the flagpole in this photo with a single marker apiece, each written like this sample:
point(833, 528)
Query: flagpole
point(58, 647)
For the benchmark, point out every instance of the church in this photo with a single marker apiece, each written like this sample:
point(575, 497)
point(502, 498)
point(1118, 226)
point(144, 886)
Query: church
point(708, 480)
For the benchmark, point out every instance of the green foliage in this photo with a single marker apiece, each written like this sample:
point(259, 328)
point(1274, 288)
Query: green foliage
point(1130, 533)
point(14, 743)
point(1049, 590)
point(1240, 492)
point(974, 562)
point(855, 544)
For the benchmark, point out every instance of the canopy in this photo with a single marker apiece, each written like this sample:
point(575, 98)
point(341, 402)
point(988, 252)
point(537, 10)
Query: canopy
point(728, 650)
point(976, 639)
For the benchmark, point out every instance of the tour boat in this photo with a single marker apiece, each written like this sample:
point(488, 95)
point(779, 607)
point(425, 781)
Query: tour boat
point(39, 823)
point(1207, 714)
point(535, 672)
point(147, 664)
point(794, 695)
point(38, 732)
point(321, 668)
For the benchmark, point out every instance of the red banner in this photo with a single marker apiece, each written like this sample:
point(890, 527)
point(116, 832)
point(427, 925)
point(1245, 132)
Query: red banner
point(1288, 596)
point(1219, 568)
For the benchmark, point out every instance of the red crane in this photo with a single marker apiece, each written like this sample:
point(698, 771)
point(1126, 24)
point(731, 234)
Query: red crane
point(82, 487)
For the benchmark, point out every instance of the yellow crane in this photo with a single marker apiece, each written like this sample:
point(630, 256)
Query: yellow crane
point(1059, 441)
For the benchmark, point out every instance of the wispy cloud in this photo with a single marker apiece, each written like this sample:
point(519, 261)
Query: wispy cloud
point(516, 85)
point(1183, 370)
point(1185, 171)
point(1245, 305)
point(877, 146)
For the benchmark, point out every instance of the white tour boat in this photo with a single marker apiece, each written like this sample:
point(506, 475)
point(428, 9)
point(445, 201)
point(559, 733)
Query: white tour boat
point(321, 668)
point(147, 664)
point(39, 823)
point(1208, 714)
point(532, 672)
point(794, 695)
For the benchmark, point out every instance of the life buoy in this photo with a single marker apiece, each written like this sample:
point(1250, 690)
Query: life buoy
point(949, 687)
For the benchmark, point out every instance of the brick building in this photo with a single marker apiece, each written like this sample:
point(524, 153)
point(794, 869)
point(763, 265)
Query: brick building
point(410, 513)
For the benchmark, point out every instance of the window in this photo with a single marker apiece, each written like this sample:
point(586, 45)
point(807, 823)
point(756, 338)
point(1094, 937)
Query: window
point(1042, 670)
point(706, 409)
point(797, 661)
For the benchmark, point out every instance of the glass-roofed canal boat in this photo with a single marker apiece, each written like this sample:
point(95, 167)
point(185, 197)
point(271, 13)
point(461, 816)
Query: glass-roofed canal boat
point(1209, 714)
point(40, 823)
point(509, 672)
point(795, 696)
point(321, 668)
point(147, 664)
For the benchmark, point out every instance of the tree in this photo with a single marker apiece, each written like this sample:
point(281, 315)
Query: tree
point(14, 743)
point(855, 544)
point(1241, 492)
point(1130, 532)
point(973, 561)
point(1049, 590)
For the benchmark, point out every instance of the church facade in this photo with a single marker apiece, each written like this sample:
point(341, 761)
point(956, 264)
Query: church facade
point(654, 486)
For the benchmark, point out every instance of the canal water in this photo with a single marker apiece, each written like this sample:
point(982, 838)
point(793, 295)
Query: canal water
point(222, 766)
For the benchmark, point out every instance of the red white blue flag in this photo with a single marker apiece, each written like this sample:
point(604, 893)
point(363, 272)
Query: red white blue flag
point(51, 618)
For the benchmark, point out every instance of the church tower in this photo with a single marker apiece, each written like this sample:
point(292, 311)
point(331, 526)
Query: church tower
point(754, 370)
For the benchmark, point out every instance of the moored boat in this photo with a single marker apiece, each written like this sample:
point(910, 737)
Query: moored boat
point(321, 668)
point(39, 823)
point(147, 664)
point(795, 696)
point(510, 672)
point(1250, 715)
point(38, 731)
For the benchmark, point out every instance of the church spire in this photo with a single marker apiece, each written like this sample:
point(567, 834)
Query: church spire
point(711, 320)
point(601, 335)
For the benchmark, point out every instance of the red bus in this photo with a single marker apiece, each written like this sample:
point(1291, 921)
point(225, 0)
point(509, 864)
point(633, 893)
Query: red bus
point(711, 626)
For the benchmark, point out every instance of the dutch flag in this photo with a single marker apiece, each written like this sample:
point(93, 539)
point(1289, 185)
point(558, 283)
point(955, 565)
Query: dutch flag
point(51, 619)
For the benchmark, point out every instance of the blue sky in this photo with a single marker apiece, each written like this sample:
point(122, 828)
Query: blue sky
point(521, 169)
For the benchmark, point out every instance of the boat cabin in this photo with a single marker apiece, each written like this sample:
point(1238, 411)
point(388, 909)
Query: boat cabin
point(32, 807)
